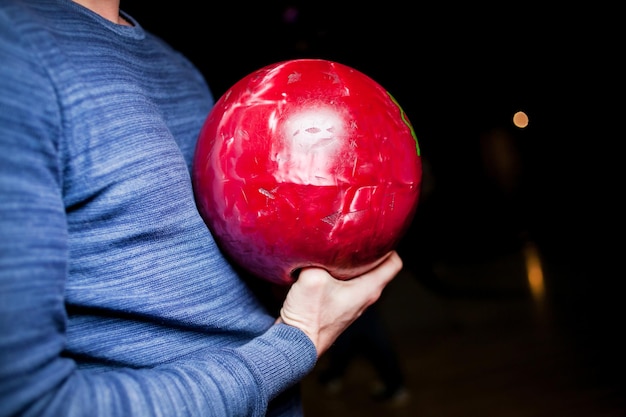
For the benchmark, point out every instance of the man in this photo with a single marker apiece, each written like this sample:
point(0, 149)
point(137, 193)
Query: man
point(114, 298)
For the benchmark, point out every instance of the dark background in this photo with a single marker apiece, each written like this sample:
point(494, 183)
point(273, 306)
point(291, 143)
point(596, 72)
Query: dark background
point(460, 72)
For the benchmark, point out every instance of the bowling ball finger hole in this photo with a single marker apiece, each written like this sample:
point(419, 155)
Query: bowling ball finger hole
point(295, 273)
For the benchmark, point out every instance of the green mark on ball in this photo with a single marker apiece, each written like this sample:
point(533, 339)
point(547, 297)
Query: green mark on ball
point(406, 122)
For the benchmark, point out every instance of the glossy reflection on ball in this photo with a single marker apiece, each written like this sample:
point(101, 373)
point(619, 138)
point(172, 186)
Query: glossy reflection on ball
point(307, 163)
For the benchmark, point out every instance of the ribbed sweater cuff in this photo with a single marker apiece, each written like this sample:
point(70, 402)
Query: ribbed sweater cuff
point(283, 356)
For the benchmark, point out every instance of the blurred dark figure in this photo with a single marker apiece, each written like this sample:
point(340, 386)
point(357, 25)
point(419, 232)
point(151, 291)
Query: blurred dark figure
point(369, 338)
point(469, 210)
point(419, 246)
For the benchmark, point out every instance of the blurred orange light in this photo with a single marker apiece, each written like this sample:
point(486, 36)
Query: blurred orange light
point(534, 272)
point(520, 119)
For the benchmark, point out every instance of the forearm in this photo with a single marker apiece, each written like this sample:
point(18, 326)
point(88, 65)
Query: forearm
point(222, 383)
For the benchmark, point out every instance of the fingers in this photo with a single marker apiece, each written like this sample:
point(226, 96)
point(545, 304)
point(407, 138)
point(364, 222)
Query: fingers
point(323, 306)
point(372, 283)
point(386, 270)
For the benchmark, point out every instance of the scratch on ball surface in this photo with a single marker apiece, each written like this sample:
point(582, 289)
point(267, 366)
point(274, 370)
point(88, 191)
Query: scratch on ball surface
point(267, 193)
point(293, 77)
point(332, 218)
point(335, 79)
point(243, 133)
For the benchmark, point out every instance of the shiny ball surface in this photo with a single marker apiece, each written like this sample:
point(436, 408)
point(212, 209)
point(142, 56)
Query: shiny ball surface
point(304, 163)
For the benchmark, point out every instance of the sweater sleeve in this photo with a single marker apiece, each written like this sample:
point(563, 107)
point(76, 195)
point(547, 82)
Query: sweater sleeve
point(36, 379)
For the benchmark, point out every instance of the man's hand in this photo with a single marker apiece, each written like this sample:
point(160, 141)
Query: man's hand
point(323, 307)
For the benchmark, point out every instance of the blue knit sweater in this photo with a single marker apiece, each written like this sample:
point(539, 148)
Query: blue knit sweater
point(114, 299)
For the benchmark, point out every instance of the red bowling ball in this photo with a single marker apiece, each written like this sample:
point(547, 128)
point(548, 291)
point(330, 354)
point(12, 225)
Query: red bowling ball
point(307, 162)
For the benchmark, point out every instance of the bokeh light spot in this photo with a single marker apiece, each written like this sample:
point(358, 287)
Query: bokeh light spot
point(520, 119)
